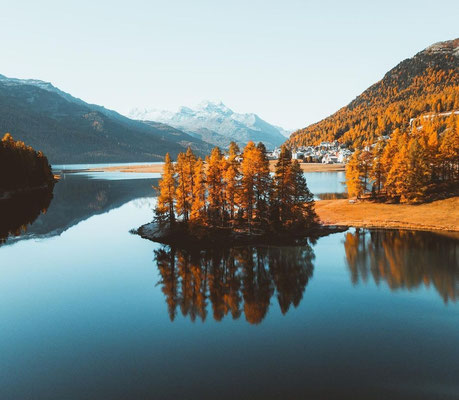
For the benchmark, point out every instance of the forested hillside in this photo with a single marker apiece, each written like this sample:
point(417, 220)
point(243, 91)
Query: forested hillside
point(411, 166)
point(68, 130)
point(427, 83)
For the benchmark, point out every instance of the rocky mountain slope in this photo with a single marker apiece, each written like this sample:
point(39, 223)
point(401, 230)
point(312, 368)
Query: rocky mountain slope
point(69, 130)
point(425, 83)
point(216, 124)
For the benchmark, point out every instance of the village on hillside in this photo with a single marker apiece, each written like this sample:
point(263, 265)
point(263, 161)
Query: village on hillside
point(325, 152)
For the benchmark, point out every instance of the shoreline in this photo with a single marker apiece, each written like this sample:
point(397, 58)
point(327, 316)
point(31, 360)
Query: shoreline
point(200, 237)
point(158, 168)
point(439, 216)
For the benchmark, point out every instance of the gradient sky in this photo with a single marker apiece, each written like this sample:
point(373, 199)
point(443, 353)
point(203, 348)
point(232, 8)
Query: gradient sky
point(292, 62)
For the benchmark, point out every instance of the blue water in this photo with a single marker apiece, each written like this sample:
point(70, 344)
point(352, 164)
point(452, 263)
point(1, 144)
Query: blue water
point(75, 167)
point(326, 182)
point(79, 169)
point(90, 311)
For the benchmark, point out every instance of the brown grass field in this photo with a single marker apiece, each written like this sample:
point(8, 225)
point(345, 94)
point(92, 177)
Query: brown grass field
point(440, 215)
point(152, 168)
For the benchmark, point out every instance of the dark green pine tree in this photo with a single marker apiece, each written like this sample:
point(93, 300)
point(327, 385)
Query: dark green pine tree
point(303, 211)
point(280, 207)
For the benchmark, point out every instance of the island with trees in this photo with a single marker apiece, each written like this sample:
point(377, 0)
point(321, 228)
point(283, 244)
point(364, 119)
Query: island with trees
point(230, 199)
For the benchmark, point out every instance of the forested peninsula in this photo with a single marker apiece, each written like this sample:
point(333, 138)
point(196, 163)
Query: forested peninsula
point(230, 199)
point(22, 168)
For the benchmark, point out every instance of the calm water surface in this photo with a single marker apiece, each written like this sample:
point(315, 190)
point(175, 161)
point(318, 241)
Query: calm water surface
point(90, 311)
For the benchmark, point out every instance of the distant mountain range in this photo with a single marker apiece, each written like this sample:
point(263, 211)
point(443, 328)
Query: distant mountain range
point(69, 130)
point(426, 83)
point(215, 123)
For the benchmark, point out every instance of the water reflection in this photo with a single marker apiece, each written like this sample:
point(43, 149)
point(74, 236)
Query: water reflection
point(17, 213)
point(76, 198)
point(405, 260)
point(233, 281)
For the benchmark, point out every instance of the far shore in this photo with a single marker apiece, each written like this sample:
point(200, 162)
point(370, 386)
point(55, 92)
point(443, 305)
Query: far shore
point(440, 215)
point(158, 168)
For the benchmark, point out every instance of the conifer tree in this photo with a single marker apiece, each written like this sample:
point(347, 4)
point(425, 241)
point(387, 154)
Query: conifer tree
point(190, 166)
point(198, 206)
point(449, 150)
point(417, 178)
point(215, 187)
point(303, 211)
point(262, 184)
point(247, 193)
point(396, 183)
point(353, 181)
point(233, 150)
point(182, 205)
point(281, 199)
point(185, 171)
point(377, 169)
point(433, 152)
point(165, 212)
point(390, 155)
point(231, 176)
point(365, 167)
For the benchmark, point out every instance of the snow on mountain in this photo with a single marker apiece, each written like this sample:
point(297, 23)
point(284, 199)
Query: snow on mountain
point(217, 124)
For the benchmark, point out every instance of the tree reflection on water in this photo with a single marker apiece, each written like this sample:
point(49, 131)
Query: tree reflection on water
point(18, 212)
point(233, 281)
point(404, 260)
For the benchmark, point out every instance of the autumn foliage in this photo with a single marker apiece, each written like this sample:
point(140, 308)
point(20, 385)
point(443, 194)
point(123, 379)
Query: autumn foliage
point(235, 190)
point(21, 166)
point(411, 166)
point(428, 83)
point(233, 282)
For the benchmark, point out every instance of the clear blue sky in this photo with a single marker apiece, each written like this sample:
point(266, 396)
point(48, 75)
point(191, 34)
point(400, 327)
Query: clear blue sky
point(292, 62)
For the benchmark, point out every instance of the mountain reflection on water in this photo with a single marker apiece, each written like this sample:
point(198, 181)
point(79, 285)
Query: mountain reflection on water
point(75, 199)
point(234, 281)
point(404, 260)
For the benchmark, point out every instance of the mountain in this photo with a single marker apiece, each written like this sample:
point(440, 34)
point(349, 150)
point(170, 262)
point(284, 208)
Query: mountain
point(69, 130)
point(427, 83)
point(216, 124)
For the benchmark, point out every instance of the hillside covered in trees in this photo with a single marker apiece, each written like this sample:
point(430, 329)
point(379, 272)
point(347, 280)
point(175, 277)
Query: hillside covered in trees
point(427, 83)
point(411, 166)
point(233, 194)
point(21, 167)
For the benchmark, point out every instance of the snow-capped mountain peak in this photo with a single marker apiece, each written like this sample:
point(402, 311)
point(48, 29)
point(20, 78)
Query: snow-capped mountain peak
point(214, 122)
point(218, 107)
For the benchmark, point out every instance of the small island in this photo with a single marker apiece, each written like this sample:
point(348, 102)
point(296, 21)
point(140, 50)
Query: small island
point(232, 199)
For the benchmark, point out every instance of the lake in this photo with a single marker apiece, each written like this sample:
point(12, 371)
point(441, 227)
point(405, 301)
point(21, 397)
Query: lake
point(90, 311)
